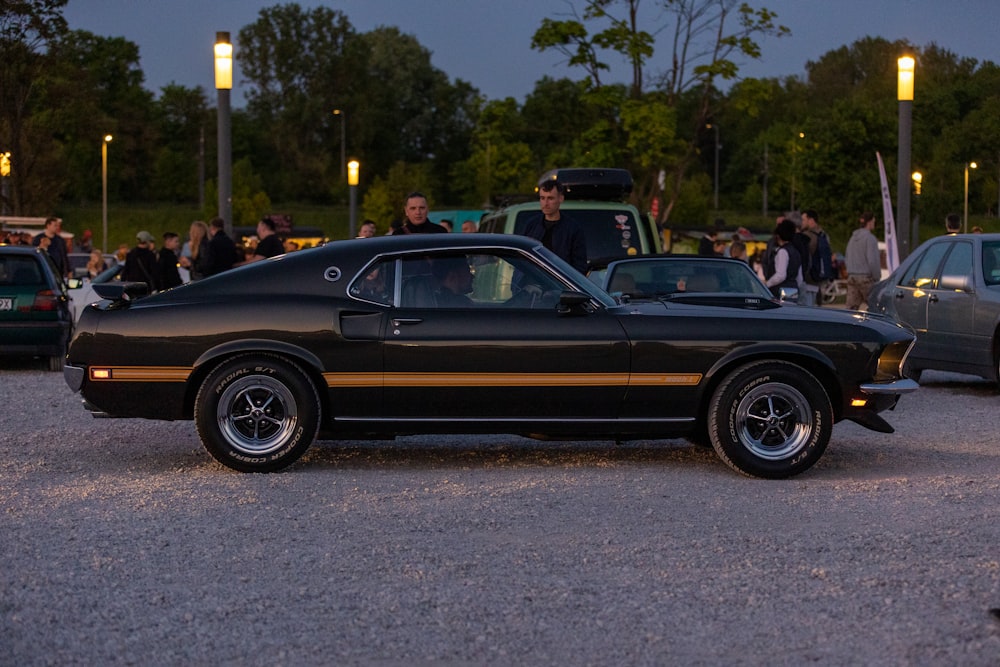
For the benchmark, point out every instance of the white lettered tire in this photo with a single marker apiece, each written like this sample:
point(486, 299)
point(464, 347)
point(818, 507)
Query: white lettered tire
point(257, 413)
point(770, 419)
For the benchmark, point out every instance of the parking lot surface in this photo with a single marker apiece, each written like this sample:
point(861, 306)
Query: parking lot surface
point(123, 542)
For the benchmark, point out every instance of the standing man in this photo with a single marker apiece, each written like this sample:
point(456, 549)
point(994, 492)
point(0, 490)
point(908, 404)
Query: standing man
point(140, 262)
point(269, 244)
point(415, 212)
point(166, 262)
point(864, 266)
point(221, 248)
point(952, 224)
point(559, 233)
point(820, 259)
point(57, 245)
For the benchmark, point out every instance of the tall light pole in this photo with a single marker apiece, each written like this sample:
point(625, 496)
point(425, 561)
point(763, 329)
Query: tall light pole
point(224, 84)
point(353, 167)
point(795, 152)
point(965, 214)
point(715, 200)
point(904, 93)
point(343, 139)
point(104, 192)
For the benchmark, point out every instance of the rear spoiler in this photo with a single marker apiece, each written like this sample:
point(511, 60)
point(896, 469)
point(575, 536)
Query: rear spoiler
point(121, 293)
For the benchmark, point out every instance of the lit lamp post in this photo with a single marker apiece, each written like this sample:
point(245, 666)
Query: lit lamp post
point(715, 200)
point(965, 214)
point(224, 84)
point(4, 175)
point(353, 167)
point(918, 181)
point(343, 139)
point(904, 90)
point(104, 192)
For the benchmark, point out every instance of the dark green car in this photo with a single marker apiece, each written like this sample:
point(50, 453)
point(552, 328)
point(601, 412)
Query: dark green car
point(35, 318)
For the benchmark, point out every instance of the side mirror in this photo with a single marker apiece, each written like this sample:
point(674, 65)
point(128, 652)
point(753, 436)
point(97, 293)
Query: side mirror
point(572, 302)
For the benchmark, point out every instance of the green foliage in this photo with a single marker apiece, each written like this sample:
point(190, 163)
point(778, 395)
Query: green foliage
point(250, 202)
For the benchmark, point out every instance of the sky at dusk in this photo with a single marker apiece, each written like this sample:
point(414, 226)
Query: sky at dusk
point(488, 43)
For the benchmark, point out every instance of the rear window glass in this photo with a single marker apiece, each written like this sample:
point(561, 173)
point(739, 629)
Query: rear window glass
point(20, 270)
point(609, 233)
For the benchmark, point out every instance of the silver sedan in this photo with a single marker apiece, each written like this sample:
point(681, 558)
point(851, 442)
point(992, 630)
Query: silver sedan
point(948, 292)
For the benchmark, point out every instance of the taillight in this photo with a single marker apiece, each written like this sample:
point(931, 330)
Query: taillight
point(45, 301)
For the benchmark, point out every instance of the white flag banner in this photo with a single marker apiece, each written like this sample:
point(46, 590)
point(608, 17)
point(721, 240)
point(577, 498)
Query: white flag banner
point(891, 248)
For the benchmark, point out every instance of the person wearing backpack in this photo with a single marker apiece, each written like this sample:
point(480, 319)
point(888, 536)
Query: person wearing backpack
point(819, 269)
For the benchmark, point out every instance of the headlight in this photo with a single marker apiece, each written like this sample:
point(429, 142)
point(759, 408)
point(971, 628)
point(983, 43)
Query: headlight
point(891, 361)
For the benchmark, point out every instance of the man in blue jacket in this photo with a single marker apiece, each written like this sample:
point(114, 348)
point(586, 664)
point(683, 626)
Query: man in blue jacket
point(557, 232)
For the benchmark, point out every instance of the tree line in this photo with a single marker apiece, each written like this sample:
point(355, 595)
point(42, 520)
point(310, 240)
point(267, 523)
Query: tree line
point(781, 143)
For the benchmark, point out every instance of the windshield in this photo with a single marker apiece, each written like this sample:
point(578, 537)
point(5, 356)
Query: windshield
point(666, 276)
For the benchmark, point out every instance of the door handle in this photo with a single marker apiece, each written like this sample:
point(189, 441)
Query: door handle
point(399, 321)
point(933, 298)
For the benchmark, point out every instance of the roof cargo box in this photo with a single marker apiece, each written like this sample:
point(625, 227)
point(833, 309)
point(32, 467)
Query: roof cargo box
point(595, 183)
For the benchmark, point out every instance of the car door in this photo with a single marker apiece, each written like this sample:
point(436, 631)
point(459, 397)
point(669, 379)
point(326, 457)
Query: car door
point(911, 293)
point(502, 349)
point(950, 334)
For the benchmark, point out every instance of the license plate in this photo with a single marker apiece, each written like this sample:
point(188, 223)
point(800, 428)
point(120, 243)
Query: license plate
point(6, 303)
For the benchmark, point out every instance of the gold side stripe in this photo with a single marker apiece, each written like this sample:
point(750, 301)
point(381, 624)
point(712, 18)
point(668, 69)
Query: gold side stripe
point(177, 374)
point(140, 374)
point(510, 380)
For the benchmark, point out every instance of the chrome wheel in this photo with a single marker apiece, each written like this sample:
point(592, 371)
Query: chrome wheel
point(774, 421)
point(257, 415)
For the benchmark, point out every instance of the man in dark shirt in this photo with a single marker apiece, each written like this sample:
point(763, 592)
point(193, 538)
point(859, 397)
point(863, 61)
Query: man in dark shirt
point(222, 249)
point(416, 222)
point(57, 245)
point(268, 244)
point(140, 262)
point(166, 262)
point(559, 233)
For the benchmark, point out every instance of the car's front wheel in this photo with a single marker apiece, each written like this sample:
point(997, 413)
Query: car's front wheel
point(257, 413)
point(770, 419)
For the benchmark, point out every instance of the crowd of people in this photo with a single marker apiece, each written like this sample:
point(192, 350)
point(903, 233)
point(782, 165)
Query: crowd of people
point(797, 259)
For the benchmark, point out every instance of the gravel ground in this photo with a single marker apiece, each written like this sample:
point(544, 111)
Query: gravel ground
point(123, 543)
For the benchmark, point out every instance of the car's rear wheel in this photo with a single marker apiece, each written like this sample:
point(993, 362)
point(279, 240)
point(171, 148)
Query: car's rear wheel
point(770, 419)
point(257, 413)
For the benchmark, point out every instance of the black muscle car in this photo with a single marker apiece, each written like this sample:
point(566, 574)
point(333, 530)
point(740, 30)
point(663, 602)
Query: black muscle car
point(478, 333)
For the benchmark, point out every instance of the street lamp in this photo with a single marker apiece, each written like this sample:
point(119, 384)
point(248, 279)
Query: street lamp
point(4, 175)
point(353, 167)
point(343, 139)
point(965, 215)
point(904, 93)
point(918, 180)
point(224, 84)
point(715, 126)
point(104, 192)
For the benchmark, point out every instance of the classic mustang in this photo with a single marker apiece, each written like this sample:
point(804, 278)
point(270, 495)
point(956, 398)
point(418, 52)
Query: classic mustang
point(478, 333)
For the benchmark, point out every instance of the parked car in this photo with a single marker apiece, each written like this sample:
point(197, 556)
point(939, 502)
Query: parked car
point(595, 199)
point(35, 317)
point(948, 292)
point(667, 276)
point(78, 263)
point(476, 333)
point(81, 290)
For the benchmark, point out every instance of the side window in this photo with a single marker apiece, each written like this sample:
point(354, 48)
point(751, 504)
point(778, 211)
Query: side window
point(959, 262)
point(377, 284)
point(475, 279)
point(991, 263)
point(922, 273)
